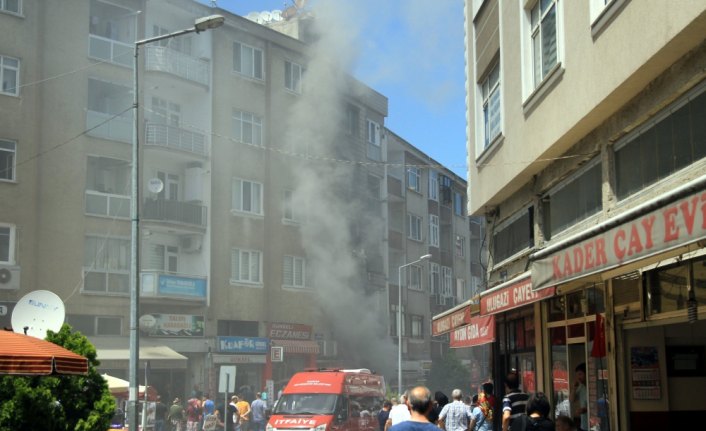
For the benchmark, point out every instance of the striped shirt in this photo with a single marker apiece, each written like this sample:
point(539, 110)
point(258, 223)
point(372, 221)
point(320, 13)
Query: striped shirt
point(456, 416)
point(515, 403)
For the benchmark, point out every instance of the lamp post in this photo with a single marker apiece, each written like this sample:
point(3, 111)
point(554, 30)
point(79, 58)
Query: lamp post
point(399, 319)
point(200, 24)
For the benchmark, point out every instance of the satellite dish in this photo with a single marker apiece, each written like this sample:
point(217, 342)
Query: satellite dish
point(276, 15)
point(38, 311)
point(155, 185)
point(265, 17)
point(253, 16)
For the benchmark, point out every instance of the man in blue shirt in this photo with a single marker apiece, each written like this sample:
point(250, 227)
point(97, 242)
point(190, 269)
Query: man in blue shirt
point(259, 415)
point(419, 403)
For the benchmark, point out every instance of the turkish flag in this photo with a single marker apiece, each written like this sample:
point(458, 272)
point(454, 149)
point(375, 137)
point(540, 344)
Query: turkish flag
point(598, 350)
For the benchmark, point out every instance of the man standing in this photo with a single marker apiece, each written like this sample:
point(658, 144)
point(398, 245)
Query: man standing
point(456, 415)
point(244, 410)
point(579, 397)
point(384, 414)
point(514, 401)
point(160, 414)
point(232, 415)
point(419, 405)
point(398, 413)
point(259, 416)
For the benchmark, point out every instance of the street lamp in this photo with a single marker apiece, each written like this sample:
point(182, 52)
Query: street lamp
point(399, 319)
point(200, 24)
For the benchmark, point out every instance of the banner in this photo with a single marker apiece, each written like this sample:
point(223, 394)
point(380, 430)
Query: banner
point(172, 325)
point(515, 295)
point(289, 331)
point(480, 331)
point(451, 321)
point(242, 344)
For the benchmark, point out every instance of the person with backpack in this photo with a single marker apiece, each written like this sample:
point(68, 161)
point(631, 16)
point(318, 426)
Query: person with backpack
point(536, 417)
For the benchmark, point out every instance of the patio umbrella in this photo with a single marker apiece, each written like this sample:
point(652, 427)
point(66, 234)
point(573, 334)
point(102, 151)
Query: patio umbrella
point(29, 356)
point(119, 388)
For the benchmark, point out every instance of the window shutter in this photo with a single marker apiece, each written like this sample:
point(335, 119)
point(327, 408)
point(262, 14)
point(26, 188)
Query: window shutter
point(288, 271)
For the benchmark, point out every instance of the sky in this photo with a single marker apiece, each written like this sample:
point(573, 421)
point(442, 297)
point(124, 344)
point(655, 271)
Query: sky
point(412, 52)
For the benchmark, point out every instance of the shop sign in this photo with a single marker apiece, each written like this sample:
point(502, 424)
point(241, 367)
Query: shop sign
point(171, 325)
point(674, 225)
point(289, 331)
point(277, 354)
point(182, 286)
point(242, 345)
point(239, 359)
point(515, 295)
point(481, 330)
point(451, 321)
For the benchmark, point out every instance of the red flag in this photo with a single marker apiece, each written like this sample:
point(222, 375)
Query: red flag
point(598, 350)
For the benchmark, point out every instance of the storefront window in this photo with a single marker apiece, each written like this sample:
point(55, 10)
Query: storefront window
point(597, 381)
point(595, 296)
point(668, 288)
point(560, 374)
point(699, 281)
point(576, 304)
point(556, 309)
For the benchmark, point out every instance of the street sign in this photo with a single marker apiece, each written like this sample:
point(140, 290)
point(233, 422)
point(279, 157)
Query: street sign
point(226, 379)
point(277, 354)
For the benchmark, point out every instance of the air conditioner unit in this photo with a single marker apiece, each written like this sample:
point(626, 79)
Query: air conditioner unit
point(9, 278)
point(190, 243)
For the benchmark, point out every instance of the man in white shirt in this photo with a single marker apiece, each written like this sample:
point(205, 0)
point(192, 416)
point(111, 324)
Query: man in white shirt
point(398, 413)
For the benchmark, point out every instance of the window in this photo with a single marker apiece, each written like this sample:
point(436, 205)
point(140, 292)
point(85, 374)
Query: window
point(446, 189)
point(458, 204)
point(288, 207)
point(181, 43)
point(433, 185)
point(293, 77)
point(446, 281)
point(460, 246)
point(543, 22)
point(247, 60)
point(414, 274)
point(492, 114)
point(107, 187)
point(247, 196)
point(514, 235)
point(247, 128)
point(434, 280)
point(8, 149)
point(576, 200)
point(414, 227)
point(109, 113)
point(7, 244)
point(602, 12)
point(162, 258)
point(352, 117)
point(171, 188)
point(374, 187)
point(165, 112)
point(434, 230)
point(669, 288)
point(245, 266)
point(10, 75)
point(676, 139)
point(12, 6)
point(394, 316)
point(417, 322)
point(461, 294)
point(414, 179)
point(294, 271)
point(95, 325)
point(374, 148)
point(106, 265)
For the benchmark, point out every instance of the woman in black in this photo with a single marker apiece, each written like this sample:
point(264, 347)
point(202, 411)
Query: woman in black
point(440, 400)
point(536, 417)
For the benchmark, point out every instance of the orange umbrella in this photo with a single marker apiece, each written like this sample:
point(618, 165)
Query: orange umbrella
point(25, 355)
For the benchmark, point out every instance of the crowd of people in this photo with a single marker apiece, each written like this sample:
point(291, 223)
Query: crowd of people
point(202, 414)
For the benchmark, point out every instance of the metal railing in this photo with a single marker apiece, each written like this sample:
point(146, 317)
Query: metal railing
point(111, 50)
point(163, 59)
point(118, 128)
point(174, 211)
point(107, 204)
point(164, 135)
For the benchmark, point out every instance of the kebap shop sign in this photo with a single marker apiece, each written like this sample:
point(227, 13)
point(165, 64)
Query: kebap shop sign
point(673, 225)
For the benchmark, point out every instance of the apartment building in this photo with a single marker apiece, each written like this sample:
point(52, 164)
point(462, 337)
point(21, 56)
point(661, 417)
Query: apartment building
point(586, 157)
point(262, 215)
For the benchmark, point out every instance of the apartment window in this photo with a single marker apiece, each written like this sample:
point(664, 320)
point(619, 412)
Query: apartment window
point(247, 196)
point(374, 145)
point(352, 117)
point(374, 187)
point(245, 266)
point(182, 43)
point(414, 277)
point(458, 204)
point(514, 235)
point(602, 11)
point(417, 326)
point(247, 128)
point(247, 60)
point(447, 276)
point(434, 280)
point(434, 230)
point(292, 77)
point(461, 291)
point(673, 141)
point(8, 149)
point(95, 325)
point(492, 114)
point(414, 227)
point(107, 187)
point(7, 244)
point(106, 265)
point(294, 271)
point(288, 206)
point(433, 185)
point(10, 75)
point(394, 316)
point(171, 188)
point(414, 179)
point(543, 30)
point(162, 258)
point(12, 6)
point(109, 113)
point(460, 246)
point(575, 200)
point(165, 112)
point(446, 189)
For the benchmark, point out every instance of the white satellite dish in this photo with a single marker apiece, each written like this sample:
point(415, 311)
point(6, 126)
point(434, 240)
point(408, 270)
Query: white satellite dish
point(155, 185)
point(38, 311)
point(265, 17)
point(253, 16)
point(276, 15)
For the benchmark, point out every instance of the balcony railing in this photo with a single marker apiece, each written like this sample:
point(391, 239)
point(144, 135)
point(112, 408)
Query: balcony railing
point(163, 59)
point(107, 204)
point(110, 50)
point(174, 211)
point(157, 284)
point(118, 128)
point(164, 135)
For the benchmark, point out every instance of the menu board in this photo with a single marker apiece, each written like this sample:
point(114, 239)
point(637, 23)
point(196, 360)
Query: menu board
point(644, 367)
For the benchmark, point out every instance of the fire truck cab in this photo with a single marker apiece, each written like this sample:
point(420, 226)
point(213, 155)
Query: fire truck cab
point(329, 400)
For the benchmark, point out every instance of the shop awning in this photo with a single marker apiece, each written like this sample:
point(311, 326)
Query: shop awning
point(481, 330)
point(159, 357)
point(297, 346)
point(514, 293)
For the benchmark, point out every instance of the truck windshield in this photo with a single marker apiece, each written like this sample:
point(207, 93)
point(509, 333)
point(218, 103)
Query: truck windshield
point(306, 404)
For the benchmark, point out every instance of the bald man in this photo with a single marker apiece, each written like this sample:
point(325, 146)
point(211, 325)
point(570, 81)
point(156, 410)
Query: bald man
point(420, 404)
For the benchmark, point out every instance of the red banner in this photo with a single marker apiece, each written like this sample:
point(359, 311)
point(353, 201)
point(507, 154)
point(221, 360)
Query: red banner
point(289, 331)
point(481, 330)
point(451, 321)
point(515, 295)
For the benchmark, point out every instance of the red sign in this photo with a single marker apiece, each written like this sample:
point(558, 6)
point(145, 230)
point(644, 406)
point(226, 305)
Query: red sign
point(289, 331)
point(451, 321)
point(481, 330)
point(515, 295)
point(671, 226)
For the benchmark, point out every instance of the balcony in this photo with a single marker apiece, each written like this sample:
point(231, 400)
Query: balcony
point(103, 125)
point(163, 59)
point(166, 136)
point(110, 50)
point(174, 211)
point(107, 204)
point(155, 284)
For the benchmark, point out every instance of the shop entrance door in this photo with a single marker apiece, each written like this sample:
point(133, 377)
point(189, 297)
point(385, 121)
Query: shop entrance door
point(578, 385)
